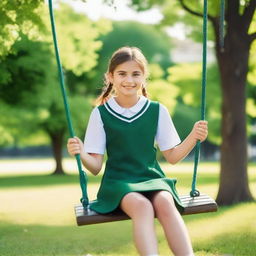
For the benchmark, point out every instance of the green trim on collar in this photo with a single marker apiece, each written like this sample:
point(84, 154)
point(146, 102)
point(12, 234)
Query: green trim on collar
point(107, 106)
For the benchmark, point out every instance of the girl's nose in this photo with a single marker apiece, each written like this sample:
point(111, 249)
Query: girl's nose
point(129, 79)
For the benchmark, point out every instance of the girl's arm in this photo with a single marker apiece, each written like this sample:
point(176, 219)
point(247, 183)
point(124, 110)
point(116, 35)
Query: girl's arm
point(92, 162)
point(199, 132)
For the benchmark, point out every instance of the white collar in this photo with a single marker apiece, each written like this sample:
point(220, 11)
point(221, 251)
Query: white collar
point(134, 109)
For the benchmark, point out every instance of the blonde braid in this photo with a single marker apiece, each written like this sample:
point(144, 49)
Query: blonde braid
point(144, 92)
point(105, 94)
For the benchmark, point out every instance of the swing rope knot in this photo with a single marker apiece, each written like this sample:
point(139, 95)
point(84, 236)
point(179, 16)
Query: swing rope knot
point(194, 193)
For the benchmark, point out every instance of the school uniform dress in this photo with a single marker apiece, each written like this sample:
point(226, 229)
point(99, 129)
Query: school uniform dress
point(129, 135)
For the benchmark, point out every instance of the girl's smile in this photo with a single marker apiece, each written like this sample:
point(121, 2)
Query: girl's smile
point(127, 78)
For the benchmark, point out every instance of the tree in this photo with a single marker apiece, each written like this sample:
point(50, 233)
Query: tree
point(30, 71)
point(78, 43)
point(161, 90)
point(54, 123)
point(233, 67)
point(24, 73)
point(18, 17)
point(189, 98)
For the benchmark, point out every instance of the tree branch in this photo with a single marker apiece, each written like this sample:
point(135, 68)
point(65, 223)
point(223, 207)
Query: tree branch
point(185, 7)
point(248, 13)
point(252, 37)
point(198, 14)
point(232, 8)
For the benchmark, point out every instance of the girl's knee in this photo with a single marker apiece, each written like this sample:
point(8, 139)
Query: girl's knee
point(163, 203)
point(134, 204)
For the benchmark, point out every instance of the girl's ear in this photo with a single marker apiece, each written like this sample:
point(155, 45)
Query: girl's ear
point(109, 77)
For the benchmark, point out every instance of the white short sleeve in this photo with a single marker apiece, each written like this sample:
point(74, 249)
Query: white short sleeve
point(166, 135)
point(95, 136)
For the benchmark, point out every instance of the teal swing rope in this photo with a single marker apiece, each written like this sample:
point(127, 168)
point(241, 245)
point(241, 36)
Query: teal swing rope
point(82, 175)
point(194, 192)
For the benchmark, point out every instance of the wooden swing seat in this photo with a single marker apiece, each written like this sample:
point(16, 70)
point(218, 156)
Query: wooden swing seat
point(192, 205)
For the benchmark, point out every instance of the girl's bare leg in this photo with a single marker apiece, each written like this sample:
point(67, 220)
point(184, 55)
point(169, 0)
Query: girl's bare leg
point(174, 227)
point(141, 211)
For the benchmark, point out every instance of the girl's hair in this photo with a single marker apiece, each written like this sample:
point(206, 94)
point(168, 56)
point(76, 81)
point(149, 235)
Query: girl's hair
point(120, 56)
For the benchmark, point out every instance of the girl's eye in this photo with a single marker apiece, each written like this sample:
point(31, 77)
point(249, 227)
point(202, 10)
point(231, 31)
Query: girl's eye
point(134, 74)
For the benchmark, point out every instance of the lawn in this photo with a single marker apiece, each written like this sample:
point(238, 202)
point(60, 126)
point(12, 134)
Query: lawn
point(37, 215)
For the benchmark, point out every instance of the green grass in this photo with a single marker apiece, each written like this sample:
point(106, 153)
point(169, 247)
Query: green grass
point(37, 215)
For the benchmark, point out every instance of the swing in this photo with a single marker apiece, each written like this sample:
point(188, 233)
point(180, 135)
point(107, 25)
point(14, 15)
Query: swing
point(193, 203)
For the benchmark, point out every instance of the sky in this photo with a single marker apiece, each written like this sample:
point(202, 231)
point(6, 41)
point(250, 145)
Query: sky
point(95, 9)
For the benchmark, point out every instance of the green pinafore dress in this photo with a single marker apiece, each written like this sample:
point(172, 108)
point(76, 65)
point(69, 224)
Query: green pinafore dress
point(131, 158)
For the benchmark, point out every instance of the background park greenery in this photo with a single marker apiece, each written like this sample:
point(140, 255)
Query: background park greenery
point(32, 114)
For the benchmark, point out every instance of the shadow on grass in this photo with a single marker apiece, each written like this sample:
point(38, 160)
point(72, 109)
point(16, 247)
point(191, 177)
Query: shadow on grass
point(111, 239)
point(43, 180)
point(184, 180)
point(37, 240)
point(221, 210)
point(48, 180)
point(236, 237)
point(241, 243)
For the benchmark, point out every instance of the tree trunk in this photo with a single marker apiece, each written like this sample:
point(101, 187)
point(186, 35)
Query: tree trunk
point(233, 64)
point(57, 140)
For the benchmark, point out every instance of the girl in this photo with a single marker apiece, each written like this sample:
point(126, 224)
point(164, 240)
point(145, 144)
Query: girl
point(127, 124)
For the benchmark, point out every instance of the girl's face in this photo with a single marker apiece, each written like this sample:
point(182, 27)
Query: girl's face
point(127, 78)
